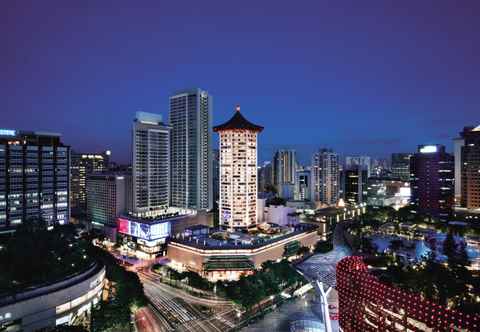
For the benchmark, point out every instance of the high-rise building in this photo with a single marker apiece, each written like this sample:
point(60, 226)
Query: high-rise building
point(81, 165)
point(470, 174)
point(325, 177)
point(151, 162)
point(303, 184)
point(432, 181)
point(107, 198)
point(361, 162)
point(284, 168)
point(265, 176)
point(400, 166)
point(216, 174)
point(191, 151)
point(457, 155)
point(34, 178)
point(355, 185)
point(238, 172)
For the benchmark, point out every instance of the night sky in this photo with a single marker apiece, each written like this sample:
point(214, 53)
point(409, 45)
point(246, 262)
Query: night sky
point(362, 77)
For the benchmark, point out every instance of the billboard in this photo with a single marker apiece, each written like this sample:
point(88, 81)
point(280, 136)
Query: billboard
point(143, 231)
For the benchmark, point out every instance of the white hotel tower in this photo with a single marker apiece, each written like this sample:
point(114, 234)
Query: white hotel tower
point(238, 172)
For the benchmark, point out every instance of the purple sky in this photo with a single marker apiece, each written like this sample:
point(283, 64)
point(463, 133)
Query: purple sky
point(362, 77)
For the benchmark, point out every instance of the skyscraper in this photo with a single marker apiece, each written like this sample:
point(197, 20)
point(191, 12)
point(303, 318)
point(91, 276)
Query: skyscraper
point(81, 165)
point(432, 182)
point(355, 182)
point(284, 169)
point(325, 177)
point(303, 184)
point(265, 177)
point(400, 166)
point(458, 143)
point(191, 151)
point(107, 198)
point(361, 162)
point(151, 162)
point(470, 175)
point(238, 172)
point(34, 178)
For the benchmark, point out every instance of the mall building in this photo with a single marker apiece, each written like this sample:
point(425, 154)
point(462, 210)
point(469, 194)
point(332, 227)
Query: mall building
point(145, 233)
point(237, 254)
point(46, 306)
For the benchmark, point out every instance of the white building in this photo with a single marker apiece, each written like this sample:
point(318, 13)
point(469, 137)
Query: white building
point(361, 162)
point(107, 198)
point(238, 172)
point(191, 151)
point(151, 162)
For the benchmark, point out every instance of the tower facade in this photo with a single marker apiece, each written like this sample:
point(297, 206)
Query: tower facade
point(470, 168)
point(432, 181)
point(325, 177)
point(284, 170)
point(191, 151)
point(238, 172)
point(151, 162)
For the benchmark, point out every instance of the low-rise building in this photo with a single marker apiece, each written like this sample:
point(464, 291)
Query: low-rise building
point(228, 258)
point(49, 305)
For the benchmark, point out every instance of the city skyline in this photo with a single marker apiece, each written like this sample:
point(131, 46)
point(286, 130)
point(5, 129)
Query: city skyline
point(372, 72)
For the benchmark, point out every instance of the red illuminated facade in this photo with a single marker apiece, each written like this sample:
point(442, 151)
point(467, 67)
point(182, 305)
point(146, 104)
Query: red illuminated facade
point(366, 304)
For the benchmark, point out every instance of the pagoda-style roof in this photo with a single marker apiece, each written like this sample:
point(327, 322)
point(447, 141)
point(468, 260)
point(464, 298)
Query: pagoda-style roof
point(238, 122)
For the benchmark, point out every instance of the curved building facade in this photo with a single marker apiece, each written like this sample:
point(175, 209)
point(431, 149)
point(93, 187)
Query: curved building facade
point(53, 304)
point(366, 304)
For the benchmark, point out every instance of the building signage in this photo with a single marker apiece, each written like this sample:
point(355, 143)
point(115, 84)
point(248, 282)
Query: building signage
point(144, 231)
point(428, 149)
point(7, 132)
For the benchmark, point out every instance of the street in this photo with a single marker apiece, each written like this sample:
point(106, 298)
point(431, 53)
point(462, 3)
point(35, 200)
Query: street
point(175, 310)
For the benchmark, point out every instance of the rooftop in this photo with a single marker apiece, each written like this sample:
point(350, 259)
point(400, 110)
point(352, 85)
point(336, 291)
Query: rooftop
point(238, 122)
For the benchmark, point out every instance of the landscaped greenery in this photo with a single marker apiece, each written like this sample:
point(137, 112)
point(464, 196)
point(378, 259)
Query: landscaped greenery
point(127, 295)
point(270, 280)
point(33, 255)
point(322, 247)
point(449, 283)
point(248, 290)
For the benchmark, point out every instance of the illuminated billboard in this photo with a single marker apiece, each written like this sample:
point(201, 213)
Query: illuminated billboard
point(143, 231)
point(428, 149)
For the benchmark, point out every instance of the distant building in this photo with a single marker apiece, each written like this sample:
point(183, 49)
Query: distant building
point(34, 178)
point(355, 185)
point(81, 165)
point(385, 191)
point(470, 171)
point(432, 181)
point(265, 176)
point(325, 177)
point(108, 197)
point(303, 184)
point(458, 144)
point(400, 166)
point(284, 168)
point(191, 150)
point(361, 162)
point(238, 172)
point(151, 162)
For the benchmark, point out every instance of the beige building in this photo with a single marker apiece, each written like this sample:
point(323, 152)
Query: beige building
point(218, 260)
point(238, 172)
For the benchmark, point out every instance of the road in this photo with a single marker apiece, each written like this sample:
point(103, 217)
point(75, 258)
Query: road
point(180, 311)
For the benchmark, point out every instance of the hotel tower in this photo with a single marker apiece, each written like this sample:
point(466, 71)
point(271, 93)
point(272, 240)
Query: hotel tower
point(238, 172)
